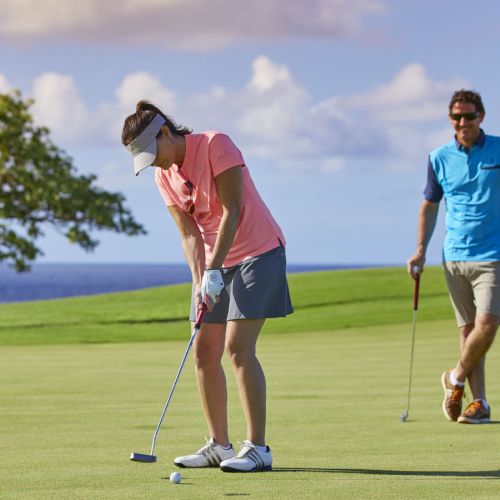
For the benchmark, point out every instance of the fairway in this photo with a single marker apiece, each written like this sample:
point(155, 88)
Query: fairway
point(71, 414)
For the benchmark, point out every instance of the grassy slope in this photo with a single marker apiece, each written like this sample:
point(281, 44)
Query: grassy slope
point(323, 301)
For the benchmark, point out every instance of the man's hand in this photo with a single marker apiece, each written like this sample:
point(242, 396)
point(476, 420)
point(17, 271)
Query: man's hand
point(415, 264)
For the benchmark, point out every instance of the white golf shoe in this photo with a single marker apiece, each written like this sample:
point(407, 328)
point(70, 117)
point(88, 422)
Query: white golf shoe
point(211, 455)
point(249, 459)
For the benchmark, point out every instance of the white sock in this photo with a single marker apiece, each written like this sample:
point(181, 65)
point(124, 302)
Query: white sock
point(454, 381)
point(223, 447)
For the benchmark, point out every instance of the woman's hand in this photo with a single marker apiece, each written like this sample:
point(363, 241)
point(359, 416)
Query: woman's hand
point(197, 295)
point(212, 285)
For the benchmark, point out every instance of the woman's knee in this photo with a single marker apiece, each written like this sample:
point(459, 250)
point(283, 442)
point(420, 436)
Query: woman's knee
point(240, 354)
point(209, 346)
point(205, 354)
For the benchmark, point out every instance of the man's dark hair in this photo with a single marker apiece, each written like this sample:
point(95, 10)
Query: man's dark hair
point(467, 96)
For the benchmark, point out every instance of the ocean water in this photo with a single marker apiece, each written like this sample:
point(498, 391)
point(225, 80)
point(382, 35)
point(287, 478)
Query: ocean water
point(50, 281)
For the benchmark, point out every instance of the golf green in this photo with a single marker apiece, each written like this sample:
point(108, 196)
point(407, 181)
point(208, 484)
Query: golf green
point(71, 414)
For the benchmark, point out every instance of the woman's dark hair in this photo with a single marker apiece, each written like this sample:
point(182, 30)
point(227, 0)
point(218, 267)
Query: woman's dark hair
point(470, 96)
point(143, 116)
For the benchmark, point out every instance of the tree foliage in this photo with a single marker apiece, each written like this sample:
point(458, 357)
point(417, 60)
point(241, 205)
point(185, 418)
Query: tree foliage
point(40, 185)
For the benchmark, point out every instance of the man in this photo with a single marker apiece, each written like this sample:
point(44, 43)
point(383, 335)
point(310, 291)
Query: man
point(466, 171)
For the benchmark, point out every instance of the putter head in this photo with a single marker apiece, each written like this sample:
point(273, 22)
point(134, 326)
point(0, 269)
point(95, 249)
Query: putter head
point(404, 416)
point(146, 459)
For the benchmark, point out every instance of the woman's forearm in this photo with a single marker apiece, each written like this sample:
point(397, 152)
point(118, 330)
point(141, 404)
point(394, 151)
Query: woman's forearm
point(194, 252)
point(193, 246)
point(225, 237)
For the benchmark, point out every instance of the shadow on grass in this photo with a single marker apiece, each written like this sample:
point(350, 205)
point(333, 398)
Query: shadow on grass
point(485, 474)
point(491, 422)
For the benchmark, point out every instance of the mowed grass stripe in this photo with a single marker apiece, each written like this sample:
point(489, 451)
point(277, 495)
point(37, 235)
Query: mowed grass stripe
point(323, 301)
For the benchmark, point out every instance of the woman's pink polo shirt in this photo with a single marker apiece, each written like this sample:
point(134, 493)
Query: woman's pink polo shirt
point(207, 155)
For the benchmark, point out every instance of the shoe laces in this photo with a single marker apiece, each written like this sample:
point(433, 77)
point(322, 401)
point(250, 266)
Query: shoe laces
point(475, 405)
point(245, 447)
point(209, 445)
point(457, 394)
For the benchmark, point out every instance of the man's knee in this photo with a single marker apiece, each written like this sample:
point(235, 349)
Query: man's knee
point(487, 325)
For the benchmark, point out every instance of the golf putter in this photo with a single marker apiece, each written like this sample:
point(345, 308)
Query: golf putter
point(416, 271)
point(151, 458)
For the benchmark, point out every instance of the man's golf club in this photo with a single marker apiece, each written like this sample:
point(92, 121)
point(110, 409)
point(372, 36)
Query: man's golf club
point(416, 271)
point(151, 458)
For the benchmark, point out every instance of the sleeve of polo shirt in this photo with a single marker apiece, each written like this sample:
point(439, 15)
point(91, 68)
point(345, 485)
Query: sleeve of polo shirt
point(163, 187)
point(223, 154)
point(433, 191)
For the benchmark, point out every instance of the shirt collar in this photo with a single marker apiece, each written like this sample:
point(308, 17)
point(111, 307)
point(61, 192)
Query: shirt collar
point(479, 141)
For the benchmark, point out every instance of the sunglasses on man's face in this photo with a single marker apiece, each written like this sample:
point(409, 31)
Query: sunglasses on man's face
point(468, 116)
point(188, 189)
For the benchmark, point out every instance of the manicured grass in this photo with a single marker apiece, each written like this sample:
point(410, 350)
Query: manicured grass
point(71, 415)
point(82, 389)
point(323, 301)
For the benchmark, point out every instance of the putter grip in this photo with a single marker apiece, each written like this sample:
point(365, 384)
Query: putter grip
point(202, 309)
point(416, 292)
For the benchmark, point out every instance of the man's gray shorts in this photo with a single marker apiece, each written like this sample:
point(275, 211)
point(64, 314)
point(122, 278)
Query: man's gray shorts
point(474, 287)
point(256, 288)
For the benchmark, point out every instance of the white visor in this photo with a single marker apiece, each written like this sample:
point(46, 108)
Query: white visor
point(143, 147)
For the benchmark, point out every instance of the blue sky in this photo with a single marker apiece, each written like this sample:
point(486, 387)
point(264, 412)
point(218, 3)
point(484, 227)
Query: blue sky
point(335, 105)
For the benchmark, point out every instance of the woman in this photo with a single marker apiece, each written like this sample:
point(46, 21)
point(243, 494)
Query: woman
point(236, 254)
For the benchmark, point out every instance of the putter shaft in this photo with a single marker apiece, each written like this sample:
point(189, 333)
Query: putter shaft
point(411, 360)
point(416, 291)
point(139, 457)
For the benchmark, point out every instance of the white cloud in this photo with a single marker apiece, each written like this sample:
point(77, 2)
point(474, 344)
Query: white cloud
point(59, 106)
point(410, 96)
point(5, 86)
point(134, 87)
point(409, 111)
point(273, 104)
point(273, 116)
point(194, 24)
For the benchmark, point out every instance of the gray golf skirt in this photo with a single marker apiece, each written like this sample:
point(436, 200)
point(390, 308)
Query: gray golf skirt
point(256, 288)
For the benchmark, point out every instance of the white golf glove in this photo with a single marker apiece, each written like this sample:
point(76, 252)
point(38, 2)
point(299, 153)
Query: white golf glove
point(211, 285)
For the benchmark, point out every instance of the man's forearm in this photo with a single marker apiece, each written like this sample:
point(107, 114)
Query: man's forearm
point(426, 223)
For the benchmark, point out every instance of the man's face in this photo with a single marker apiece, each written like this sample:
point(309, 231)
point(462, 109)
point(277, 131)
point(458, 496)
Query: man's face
point(466, 122)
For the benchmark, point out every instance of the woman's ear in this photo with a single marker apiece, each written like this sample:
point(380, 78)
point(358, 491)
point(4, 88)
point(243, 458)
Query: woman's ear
point(165, 132)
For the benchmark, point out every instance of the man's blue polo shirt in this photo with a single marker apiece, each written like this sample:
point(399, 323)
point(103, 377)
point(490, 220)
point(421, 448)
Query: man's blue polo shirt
point(470, 183)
